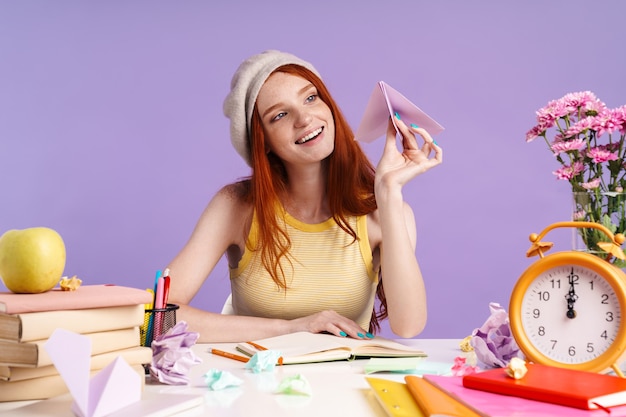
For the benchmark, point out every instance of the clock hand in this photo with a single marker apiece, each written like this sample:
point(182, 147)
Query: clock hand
point(571, 299)
point(571, 296)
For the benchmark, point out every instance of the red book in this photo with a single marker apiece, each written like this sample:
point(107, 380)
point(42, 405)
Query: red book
point(86, 296)
point(568, 387)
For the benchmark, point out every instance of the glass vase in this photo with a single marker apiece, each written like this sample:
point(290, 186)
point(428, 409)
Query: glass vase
point(606, 208)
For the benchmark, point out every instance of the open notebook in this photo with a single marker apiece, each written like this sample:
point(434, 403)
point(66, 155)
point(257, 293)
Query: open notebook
point(305, 347)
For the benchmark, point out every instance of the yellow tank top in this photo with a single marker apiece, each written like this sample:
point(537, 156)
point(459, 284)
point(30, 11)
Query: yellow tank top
point(328, 271)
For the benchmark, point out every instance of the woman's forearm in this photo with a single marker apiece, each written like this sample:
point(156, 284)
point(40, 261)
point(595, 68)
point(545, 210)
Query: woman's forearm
point(401, 274)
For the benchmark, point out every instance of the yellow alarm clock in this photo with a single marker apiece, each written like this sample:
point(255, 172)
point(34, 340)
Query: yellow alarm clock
point(568, 309)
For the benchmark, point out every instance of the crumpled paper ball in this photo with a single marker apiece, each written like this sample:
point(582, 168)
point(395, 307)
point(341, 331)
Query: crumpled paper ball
point(466, 344)
point(295, 385)
point(517, 368)
point(264, 360)
point(172, 356)
point(493, 342)
point(70, 284)
point(218, 380)
point(462, 368)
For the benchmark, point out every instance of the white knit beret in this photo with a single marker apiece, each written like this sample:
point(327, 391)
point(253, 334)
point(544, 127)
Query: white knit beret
point(244, 89)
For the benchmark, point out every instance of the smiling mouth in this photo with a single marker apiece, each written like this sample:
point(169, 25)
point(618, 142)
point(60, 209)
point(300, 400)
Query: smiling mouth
point(310, 136)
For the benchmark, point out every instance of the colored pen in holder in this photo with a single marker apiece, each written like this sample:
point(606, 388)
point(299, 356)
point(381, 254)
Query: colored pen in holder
point(157, 321)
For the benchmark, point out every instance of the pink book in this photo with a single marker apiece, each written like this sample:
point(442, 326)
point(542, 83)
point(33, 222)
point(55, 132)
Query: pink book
point(86, 296)
point(496, 405)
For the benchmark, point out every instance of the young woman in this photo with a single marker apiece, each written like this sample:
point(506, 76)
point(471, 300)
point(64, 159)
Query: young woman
point(316, 232)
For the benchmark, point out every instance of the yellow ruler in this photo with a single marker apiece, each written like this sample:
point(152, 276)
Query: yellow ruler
point(395, 398)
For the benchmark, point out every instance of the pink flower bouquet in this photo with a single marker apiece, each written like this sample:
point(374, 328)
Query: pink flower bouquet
point(587, 139)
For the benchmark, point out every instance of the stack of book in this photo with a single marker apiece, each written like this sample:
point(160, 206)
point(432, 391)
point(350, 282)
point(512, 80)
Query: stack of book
point(543, 391)
point(109, 315)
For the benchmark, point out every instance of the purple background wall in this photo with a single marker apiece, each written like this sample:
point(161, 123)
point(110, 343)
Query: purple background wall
point(112, 133)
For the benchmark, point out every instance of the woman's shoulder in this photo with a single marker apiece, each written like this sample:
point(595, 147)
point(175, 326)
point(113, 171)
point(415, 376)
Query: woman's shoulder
point(235, 197)
point(239, 190)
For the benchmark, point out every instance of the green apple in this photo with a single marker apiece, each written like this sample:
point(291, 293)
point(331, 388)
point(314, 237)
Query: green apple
point(31, 260)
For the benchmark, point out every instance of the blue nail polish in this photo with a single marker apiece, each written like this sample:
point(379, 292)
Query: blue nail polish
point(369, 335)
point(360, 335)
point(435, 142)
point(343, 334)
point(397, 116)
point(414, 126)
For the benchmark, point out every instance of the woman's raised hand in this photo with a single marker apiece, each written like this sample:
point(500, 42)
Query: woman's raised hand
point(399, 167)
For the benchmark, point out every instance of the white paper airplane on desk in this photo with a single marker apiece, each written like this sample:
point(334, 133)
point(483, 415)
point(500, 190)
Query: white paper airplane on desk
point(383, 104)
point(111, 389)
point(114, 391)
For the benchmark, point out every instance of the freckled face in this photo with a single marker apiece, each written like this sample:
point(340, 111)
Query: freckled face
point(298, 125)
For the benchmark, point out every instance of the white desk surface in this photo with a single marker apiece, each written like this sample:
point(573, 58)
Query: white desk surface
point(339, 388)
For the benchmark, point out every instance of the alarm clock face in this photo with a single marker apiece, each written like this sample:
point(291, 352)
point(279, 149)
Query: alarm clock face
point(570, 314)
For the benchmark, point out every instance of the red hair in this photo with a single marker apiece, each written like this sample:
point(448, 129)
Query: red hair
point(349, 184)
